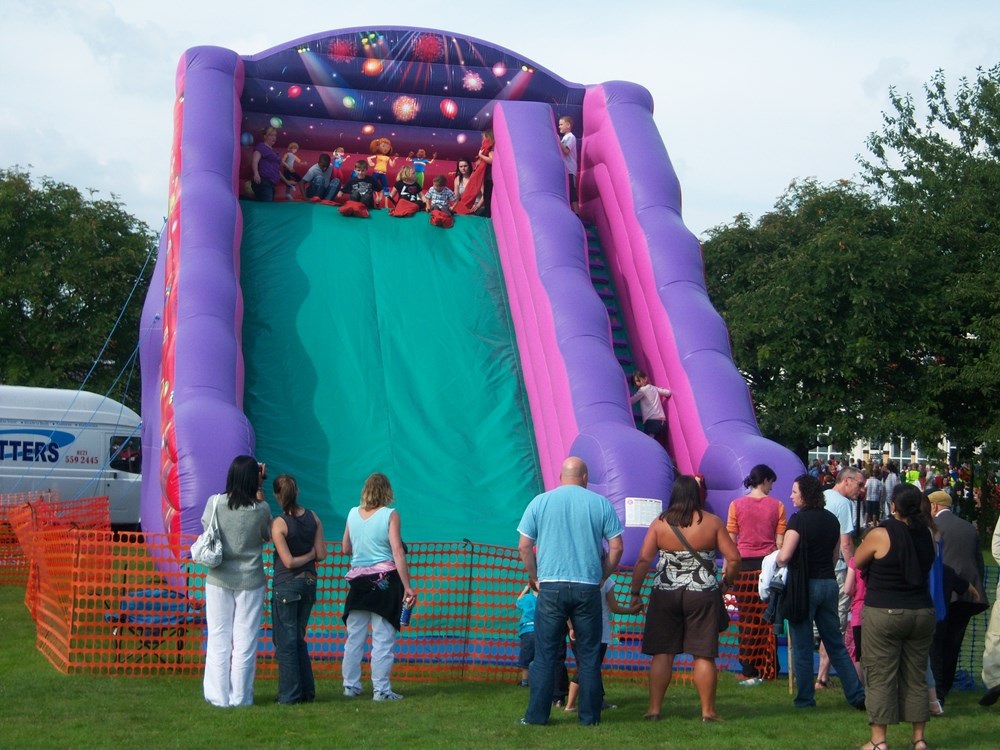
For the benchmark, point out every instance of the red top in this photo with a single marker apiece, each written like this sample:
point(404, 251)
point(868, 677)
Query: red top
point(756, 521)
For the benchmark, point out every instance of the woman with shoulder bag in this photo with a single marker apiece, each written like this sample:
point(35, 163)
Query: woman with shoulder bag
point(683, 611)
point(234, 590)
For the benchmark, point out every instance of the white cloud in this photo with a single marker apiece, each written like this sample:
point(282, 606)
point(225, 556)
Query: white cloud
point(748, 96)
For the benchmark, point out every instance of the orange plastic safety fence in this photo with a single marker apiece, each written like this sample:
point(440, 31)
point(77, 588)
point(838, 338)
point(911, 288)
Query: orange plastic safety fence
point(757, 644)
point(123, 604)
point(45, 513)
point(13, 563)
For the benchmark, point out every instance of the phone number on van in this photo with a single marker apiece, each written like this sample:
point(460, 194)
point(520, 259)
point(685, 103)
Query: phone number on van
point(82, 459)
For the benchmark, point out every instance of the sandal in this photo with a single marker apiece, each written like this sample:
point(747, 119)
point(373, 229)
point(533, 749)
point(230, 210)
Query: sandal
point(651, 717)
point(710, 719)
point(821, 685)
point(875, 746)
point(919, 744)
point(937, 709)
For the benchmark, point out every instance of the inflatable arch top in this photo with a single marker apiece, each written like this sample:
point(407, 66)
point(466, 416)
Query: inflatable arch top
point(434, 90)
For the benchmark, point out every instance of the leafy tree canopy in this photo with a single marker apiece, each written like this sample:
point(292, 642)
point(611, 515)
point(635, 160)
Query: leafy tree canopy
point(872, 309)
point(68, 264)
point(817, 323)
point(939, 172)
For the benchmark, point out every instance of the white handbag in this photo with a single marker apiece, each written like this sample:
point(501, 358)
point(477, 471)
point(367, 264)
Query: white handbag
point(207, 548)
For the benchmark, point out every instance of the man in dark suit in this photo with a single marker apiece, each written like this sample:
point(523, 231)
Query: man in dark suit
point(961, 553)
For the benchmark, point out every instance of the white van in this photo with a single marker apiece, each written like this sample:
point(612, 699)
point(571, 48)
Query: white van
point(76, 443)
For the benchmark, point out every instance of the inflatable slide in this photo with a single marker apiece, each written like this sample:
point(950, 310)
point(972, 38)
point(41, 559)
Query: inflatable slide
point(465, 363)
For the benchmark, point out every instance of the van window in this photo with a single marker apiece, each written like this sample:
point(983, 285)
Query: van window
point(126, 454)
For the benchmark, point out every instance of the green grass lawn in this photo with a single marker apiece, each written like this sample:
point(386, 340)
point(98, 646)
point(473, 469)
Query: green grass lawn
point(41, 708)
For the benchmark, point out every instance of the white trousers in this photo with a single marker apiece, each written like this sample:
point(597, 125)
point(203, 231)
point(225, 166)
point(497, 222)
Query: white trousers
point(991, 650)
point(383, 641)
point(233, 619)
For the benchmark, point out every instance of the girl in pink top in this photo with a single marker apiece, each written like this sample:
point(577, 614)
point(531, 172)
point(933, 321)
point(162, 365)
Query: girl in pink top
point(757, 524)
point(854, 587)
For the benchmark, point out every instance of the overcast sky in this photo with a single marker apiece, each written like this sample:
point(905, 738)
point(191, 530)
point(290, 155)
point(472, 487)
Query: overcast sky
point(748, 95)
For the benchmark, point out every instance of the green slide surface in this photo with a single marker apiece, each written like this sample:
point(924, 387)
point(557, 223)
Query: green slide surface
point(385, 344)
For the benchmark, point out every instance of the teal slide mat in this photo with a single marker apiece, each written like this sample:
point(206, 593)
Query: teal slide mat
point(385, 344)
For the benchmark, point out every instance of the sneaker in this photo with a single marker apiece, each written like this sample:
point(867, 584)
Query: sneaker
point(352, 692)
point(388, 695)
point(751, 682)
point(605, 706)
point(523, 683)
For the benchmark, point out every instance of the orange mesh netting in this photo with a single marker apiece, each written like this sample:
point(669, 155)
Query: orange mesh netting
point(757, 645)
point(123, 604)
point(45, 513)
point(13, 563)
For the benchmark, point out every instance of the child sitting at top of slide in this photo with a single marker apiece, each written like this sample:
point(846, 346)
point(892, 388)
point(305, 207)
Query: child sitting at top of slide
point(406, 196)
point(360, 192)
point(440, 202)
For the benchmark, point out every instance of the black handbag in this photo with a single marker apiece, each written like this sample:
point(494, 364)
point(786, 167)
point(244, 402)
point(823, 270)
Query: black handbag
point(795, 605)
point(723, 612)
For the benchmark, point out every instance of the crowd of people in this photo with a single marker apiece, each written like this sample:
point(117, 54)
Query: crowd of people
point(364, 185)
point(889, 617)
point(378, 580)
point(891, 626)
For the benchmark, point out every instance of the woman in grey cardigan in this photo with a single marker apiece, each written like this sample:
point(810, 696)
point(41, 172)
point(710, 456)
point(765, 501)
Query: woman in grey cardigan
point(234, 591)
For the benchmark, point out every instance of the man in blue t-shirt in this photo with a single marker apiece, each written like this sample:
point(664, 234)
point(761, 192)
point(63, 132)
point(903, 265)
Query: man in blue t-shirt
point(562, 538)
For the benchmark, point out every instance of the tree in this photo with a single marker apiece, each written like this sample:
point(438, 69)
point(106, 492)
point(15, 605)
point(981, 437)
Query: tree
point(67, 266)
point(940, 175)
point(875, 309)
point(820, 326)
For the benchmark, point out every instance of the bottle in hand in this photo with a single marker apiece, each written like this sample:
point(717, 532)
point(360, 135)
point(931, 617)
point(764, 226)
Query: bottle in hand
point(404, 617)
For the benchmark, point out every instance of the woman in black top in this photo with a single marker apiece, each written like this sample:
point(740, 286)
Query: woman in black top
point(298, 545)
point(821, 531)
point(898, 618)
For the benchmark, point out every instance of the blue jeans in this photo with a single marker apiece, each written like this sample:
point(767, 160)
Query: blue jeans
point(823, 595)
point(316, 189)
point(291, 604)
point(557, 603)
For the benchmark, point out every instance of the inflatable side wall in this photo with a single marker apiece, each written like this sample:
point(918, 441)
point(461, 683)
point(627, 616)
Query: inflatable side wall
point(575, 385)
point(629, 189)
point(201, 360)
